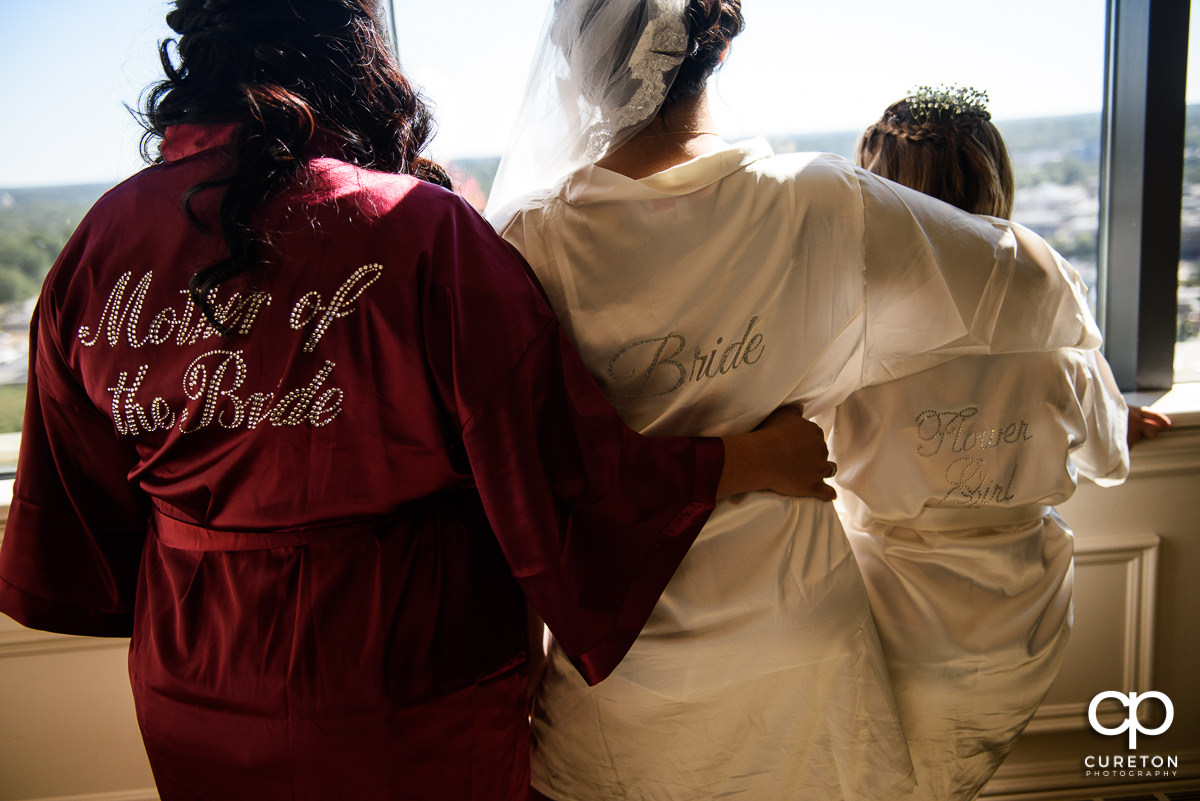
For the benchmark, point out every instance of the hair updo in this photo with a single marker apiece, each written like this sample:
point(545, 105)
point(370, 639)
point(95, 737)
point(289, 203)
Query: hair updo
point(943, 144)
point(711, 24)
point(301, 78)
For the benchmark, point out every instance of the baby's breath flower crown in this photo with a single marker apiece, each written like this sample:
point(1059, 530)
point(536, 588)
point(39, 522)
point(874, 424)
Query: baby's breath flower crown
point(947, 104)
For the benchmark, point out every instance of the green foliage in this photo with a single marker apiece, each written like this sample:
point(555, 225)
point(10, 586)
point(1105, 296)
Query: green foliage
point(15, 286)
point(1189, 273)
point(12, 406)
point(34, 226)
point(1077, 246)
point(482, 170)
point(1070, 169)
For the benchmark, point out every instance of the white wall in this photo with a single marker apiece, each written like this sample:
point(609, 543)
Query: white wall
point(1136, 628)
point(67, 726)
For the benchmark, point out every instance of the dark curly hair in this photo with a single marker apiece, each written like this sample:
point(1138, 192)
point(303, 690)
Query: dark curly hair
point(712, 24)
point(293, 74)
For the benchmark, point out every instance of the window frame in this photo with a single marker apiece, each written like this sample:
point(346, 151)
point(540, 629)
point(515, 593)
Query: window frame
point(1141, 188)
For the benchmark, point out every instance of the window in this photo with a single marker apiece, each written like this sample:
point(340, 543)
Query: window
point(797, 75)
point(67, 138)
point(1187, 346)
point(812, 76)
point(1143, 172)
point(808, 75)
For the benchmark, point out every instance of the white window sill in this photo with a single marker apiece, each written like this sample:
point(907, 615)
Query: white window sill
point(1181, 404)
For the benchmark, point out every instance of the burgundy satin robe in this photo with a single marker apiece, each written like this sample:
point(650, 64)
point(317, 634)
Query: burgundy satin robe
point(320, 533)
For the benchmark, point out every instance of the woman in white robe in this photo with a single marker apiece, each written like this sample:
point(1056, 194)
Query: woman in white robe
point(948, 481)
point(705, 284)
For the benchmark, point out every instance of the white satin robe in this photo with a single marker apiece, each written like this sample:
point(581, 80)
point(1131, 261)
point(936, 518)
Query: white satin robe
point(702, 298)
point(947, 481)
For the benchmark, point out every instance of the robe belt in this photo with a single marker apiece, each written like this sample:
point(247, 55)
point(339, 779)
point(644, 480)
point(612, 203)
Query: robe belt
point(957, 518)
point(175, 533)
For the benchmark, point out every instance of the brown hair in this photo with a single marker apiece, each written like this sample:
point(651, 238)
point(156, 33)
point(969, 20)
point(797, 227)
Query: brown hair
point(953, 153)
point(712, 24)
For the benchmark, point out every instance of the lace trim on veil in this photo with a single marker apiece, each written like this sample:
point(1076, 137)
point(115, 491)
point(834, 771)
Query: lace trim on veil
point(600, 74)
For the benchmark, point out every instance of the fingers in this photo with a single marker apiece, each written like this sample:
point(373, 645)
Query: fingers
point(1155, 420)
point(800, 456)
point(1148, 430)
point(824, 492)
point(1145, 424)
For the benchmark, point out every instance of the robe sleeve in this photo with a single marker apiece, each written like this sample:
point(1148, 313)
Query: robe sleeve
point(592, 517)
point(1104, 454)
point(942, 283)
point(73, 539)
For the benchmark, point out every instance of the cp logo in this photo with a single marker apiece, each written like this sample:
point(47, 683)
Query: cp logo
point(1131, 702)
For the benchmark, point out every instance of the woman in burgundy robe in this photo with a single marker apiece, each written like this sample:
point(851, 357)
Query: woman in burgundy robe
point(306, 429)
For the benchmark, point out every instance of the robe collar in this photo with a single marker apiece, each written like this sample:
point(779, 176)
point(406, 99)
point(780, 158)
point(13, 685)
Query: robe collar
point(592, 184)
point(188, 139)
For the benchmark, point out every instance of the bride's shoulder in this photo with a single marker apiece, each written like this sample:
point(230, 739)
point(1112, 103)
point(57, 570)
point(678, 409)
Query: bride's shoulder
point(532, 205)
point(809, 171)
point(810, 163)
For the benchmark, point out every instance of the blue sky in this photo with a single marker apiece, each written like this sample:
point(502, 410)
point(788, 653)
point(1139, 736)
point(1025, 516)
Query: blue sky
point(67, 66)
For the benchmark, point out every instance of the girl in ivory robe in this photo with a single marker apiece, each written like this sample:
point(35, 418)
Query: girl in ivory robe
point(948, 480)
